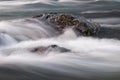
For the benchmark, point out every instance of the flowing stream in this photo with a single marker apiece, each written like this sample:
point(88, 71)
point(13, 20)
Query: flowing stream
point(89, 58)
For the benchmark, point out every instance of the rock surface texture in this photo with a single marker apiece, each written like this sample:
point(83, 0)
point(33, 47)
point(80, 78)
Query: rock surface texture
point(62, 21)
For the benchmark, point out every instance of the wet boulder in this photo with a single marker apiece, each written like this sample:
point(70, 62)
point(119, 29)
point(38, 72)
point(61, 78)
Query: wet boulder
point(58, 48)
point(65, 21)
point(51, 48)
point(86, 29)
point(79, 24)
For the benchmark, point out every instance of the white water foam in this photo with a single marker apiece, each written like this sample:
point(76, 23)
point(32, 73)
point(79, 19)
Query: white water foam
point(89, 57)
point(27, 29)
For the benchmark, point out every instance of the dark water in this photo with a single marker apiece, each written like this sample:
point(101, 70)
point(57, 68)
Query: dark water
point(91, 58)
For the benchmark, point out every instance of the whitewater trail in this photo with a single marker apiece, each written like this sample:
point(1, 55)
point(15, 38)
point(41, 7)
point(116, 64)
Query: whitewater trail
point(32, 29)
point(88, 56)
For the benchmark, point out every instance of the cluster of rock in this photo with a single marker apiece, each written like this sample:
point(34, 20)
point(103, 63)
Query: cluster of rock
point(62, 21)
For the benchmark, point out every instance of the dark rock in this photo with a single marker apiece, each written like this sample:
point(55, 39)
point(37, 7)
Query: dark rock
point(62, 21)
point(58, 48)
point(37, 16)
point(83, 29)
point(51, 48)
point(39, 49)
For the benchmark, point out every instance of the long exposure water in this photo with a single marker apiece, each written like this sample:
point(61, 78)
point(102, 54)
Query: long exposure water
point(90, 58)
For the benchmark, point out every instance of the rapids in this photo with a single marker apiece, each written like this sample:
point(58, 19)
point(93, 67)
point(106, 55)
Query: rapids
point(89, 58)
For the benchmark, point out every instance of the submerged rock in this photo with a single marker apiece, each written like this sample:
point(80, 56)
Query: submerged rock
point(79, 24)
point(40, 15)
point(50, 48)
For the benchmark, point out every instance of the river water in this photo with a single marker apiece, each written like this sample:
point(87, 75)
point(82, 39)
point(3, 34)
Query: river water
point(90, 58)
